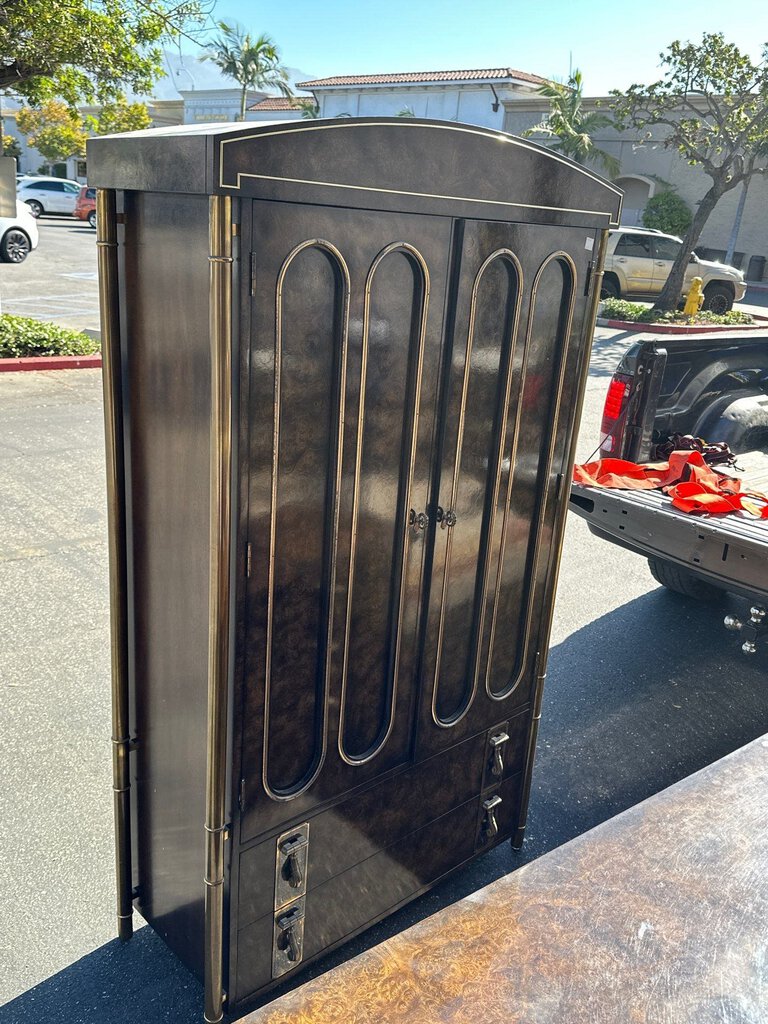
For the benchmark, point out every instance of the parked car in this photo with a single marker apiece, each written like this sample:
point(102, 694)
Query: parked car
point(638, 262)
point(85, 205)
point(49, 195)
point(18, 235)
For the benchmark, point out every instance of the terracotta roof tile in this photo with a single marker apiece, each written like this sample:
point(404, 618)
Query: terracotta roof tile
point(408, 77)
point(279, 103)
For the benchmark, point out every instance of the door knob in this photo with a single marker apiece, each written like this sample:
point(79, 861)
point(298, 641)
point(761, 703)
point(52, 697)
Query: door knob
point(446, 519)
point(418, 519)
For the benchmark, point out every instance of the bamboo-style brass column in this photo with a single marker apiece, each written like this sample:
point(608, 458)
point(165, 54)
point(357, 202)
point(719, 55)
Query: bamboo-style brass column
point(558, 536)
point(220, 229)
point(106, 242)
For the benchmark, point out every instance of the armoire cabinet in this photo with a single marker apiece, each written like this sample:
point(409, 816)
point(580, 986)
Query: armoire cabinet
point(343, 365)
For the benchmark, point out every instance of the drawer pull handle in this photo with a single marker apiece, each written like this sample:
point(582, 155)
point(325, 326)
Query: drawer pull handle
point(291, 849)
point(497, 756)
point(288, 941)
point(490, 825)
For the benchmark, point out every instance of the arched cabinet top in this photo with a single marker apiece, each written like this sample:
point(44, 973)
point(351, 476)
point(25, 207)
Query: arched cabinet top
point(400, 164)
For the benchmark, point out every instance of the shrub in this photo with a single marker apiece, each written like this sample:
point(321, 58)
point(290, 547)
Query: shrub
point(636, 312)
point(667, 212)
point(22, 336)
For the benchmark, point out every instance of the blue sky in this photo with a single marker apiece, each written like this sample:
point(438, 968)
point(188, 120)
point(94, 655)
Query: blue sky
point(614, 44)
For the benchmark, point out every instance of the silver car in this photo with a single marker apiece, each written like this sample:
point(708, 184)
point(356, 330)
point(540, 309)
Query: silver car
point(48, 195)
point(638, 262)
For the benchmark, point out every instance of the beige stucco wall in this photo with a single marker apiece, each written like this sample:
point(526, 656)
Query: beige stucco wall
point(650, 158)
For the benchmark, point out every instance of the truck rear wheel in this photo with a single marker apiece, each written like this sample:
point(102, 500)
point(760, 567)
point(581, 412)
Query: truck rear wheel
point(673, 577)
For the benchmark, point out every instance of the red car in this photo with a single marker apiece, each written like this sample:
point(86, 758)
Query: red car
point(85, 205)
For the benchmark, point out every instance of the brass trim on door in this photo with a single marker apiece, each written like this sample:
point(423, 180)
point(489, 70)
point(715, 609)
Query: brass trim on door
point(331, 250)
point(508, 255)
point(563, 257)
point(220, 333)
point(411, 251)
point(106, 243)
point(558, 532)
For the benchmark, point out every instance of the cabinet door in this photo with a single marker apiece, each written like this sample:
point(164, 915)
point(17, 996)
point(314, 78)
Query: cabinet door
point(346, 331)
point(517, 319)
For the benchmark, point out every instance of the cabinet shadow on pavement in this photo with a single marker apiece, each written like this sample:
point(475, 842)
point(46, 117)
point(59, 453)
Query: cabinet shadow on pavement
point(635, 701)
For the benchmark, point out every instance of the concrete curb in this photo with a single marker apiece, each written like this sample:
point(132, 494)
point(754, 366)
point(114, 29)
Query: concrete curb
point(633, 325)
point(51, 363)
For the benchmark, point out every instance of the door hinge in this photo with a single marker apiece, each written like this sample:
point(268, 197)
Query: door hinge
point(248, 556)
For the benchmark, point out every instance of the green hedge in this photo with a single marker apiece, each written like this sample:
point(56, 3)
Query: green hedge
point(620, 309)
point(21, 336)
point(667, 212)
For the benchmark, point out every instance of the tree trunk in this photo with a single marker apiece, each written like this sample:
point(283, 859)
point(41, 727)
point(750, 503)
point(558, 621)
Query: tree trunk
point(242, 102)
point(672, 290)
point(15, 74)
point(737, 223)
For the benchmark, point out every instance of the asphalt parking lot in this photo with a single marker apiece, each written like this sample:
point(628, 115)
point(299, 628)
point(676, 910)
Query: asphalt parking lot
point(643, 689)
point(58, 281)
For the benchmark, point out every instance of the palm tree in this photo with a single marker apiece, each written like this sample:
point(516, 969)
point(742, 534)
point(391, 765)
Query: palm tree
point(572, 127)
point(254, 63)
point(309, 109)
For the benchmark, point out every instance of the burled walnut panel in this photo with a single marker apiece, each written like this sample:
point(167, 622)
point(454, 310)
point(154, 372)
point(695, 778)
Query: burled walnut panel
point(655, 917)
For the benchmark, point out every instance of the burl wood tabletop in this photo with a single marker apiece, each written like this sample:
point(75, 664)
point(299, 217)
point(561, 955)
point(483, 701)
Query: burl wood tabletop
point(659, 915)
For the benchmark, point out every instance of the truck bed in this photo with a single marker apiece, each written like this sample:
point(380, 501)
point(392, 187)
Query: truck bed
point(731, 551)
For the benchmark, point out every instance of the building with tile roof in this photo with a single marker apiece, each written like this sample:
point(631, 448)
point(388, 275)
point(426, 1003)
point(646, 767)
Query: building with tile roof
point(475, 95)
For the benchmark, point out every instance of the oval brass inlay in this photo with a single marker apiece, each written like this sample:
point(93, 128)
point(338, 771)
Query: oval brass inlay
point(306, 465)
point(489, 367)
point(375, 512)
point(518, 619)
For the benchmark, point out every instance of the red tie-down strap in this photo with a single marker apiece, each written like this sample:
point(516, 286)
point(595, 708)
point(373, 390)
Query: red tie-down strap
point(691, 484)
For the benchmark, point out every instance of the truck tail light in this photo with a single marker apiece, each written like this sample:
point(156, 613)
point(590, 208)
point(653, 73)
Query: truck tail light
point(615, 413)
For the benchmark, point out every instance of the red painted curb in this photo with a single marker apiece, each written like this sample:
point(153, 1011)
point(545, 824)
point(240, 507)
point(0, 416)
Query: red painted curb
point(633, 325)
point(51, 363)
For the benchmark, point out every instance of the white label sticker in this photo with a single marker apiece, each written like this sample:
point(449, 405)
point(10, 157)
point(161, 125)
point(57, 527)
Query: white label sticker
point(589, 244)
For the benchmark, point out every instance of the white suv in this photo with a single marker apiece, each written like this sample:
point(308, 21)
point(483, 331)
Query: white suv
point(18, 235)
point(638, 262)
point(48, 195)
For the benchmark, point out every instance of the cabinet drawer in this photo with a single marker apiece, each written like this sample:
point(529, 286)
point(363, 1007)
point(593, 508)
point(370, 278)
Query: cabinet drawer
point(362, 825)
point(348, 902)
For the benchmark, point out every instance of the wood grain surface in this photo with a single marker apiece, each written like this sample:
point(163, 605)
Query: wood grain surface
point(658, 915)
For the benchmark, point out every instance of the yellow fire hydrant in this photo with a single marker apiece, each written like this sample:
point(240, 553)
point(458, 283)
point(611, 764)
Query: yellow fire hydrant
point(695, 298)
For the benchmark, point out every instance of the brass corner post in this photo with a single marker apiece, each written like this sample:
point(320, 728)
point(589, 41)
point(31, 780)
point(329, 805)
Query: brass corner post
point(558, 537)
point(106, 242)
point(220, 324)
